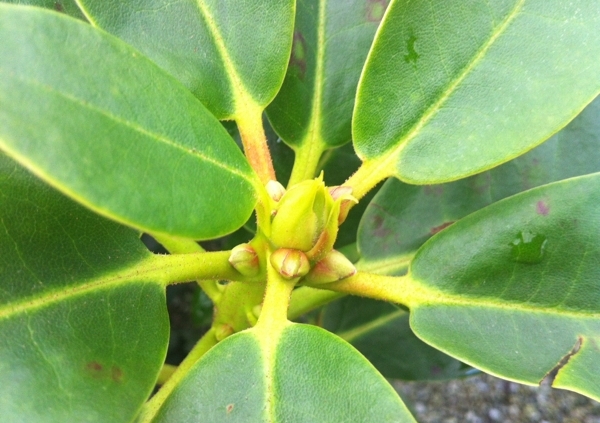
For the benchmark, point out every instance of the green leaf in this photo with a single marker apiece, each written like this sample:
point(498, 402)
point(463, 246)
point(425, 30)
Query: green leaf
point(107, 127)
point(380, 331)
point(64, 6)
point(513, 289)
point(452, 88)
point(315, 103)
point(81, 339)
point(229, 53)
point(300, 376)
point(402, 217)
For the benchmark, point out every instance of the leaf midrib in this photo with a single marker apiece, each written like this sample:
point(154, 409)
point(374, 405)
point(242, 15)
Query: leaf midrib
point(147, 270)
point(159, 138)
point(418, 294)
point(243, 96)
point(359, 331)
point(313, 136)
point(390, 158)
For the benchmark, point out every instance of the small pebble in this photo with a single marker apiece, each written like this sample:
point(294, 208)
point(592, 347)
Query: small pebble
point(485, 399)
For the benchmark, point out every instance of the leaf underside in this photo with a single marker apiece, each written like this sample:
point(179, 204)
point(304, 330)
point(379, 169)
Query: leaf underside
point(381, 332)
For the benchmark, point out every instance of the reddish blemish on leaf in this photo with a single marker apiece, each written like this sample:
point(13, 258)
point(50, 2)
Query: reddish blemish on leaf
point(94, 366)
point(437, 229)
point(98, 371)
point(542, 208)
point(58, 7)
point(434, 190)
point(378, 220)
point(116, 374)
point(376, 10)
point(378, 230)
point(230, 408)
point(298, 57)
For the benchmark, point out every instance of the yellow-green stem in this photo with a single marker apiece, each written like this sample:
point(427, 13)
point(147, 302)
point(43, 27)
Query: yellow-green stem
point(165, 373)
point(368, 175)
point(176, 245)
point(273, 314)
point(151, 408)
point(199, 266)
point(396, 289)
point(306, 161)
point(306, 299)
point(249, 123)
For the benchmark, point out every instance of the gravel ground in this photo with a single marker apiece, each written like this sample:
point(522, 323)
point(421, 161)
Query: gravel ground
point(486, 399)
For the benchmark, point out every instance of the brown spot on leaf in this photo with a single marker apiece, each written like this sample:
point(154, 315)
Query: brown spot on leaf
point(298, 57)
point(58, 7)
point(542, 208)
point(229, 408)
point(551, 375)
point(376, 10)
point(116, 374)
point(94, 366)
point(441, 227)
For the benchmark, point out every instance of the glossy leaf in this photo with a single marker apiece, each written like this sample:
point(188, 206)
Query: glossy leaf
point(303, 378)
point(314, 105)
point(474, 83)
point(229, 53)
point(513, 289)
point(380, 331)
point(402, 217)
point(80, 339)
point(63, 6)
point(113, 131)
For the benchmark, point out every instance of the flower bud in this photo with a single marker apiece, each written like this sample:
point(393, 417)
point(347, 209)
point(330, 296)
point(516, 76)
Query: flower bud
point(301, 216)
point(245, 260)
point(344, 194)
point(334, 267)
point(290, 264)
point(275, 190)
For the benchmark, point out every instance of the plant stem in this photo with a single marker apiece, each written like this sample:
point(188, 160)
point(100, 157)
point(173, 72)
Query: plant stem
point(176, 245)
point(199, 266)
point(368, 175)
point(151, 408)
point(306, 161)
point(273, 315)
point(397, 289)
point(306, 299)
point(249, 123)
point(165, 373)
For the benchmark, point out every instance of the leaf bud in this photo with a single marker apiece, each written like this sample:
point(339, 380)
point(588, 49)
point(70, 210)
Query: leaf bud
point(275, 190)
point(223, 331)
point(245, 260)
point(289, 263)
point(344, 195)
point(334, 267)
point(301, 216)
